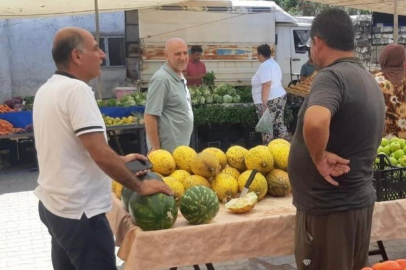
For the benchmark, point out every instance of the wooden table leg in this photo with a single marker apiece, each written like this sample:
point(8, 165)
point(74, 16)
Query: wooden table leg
point(210, 266)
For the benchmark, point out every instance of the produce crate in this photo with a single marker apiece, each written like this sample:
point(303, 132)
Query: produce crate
point(389, 180)
point(251, 137)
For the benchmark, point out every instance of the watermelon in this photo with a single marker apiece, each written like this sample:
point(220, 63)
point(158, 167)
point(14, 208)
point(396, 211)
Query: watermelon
point(199, 205)
point(126, 192)
point(154, 212)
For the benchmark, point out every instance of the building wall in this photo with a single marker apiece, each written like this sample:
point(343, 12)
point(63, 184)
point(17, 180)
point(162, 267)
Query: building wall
point(25, 50)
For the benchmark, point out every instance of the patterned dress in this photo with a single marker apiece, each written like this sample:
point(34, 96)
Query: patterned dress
point(277, 106)
point(395, 109)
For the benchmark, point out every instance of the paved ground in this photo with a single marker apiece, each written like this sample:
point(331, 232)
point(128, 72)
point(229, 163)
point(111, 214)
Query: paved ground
point(25, 242)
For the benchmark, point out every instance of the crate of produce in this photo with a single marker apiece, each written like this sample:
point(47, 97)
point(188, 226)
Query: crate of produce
point(389, 180)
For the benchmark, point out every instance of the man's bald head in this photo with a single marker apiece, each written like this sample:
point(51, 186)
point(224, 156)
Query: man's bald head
point(65, 41)
point(173, 43)
point(176, 53)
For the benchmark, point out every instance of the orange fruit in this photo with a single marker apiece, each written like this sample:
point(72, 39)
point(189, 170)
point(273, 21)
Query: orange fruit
point(367, 268)
point(402, 263)
point(376, 266)
point(388, 265)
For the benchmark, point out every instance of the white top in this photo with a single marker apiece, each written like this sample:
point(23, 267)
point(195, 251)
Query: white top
point(70, 182)
point(269, 70)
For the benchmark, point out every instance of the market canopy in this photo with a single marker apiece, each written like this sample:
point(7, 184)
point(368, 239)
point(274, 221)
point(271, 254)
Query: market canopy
point(42, 8)
point(382, 6)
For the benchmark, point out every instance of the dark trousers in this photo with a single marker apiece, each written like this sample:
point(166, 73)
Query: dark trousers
point(85, 244)
point(334, 241)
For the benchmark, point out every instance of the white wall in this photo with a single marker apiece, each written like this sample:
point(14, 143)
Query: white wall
point(25, 50)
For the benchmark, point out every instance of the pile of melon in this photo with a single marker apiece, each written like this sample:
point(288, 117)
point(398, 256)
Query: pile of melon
point(200, 181)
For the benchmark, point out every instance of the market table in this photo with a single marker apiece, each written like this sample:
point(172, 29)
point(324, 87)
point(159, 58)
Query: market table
point(267, 230)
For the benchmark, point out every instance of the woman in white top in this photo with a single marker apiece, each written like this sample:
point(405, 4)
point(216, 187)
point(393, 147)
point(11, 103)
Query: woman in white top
point(267, 92)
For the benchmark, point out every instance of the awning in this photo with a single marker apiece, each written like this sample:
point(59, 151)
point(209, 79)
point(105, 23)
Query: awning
point(43, 8)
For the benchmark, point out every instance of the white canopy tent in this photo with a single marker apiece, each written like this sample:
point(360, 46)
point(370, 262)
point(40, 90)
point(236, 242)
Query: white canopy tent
point(383, 6)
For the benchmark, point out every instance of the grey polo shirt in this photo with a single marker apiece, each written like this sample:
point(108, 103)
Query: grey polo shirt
point(169, 99)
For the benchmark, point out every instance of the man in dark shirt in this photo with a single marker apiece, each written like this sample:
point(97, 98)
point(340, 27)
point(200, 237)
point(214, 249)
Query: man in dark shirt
point(307, 69)
point(330, 163)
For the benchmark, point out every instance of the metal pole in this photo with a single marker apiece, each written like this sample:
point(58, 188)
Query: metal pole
point(395, 23)
point(96, 8)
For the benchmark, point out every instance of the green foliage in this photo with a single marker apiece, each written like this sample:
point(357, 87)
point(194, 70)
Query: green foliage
point(218, 114)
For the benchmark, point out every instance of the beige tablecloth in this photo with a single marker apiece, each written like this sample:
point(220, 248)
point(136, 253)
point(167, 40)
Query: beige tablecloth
point(267, 230)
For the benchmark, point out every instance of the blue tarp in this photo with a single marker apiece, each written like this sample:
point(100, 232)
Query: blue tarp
point(22, 119)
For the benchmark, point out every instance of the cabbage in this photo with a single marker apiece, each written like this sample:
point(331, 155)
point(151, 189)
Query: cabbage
point(126, 98)
point(192, 90)
point(228, 99)
point(218, 99)
point(129, 103)
point(195, 101)
point(222, 89)
point(236, 99)
point(112, 102)
point(141, 102)
point(202, 100)
point(232, 92)
point(209, 99)
point(101, 103)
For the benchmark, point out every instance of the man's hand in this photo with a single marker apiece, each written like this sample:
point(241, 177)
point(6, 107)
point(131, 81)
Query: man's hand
point(131, 157)
point(332, 166)
point(153, 186)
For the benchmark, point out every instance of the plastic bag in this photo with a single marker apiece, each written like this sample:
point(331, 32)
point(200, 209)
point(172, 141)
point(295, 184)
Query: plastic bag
point(265, 124)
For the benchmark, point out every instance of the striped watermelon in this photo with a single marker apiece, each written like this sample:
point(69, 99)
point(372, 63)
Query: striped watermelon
point(126, 192)
point(154, 212)
point(199, 205)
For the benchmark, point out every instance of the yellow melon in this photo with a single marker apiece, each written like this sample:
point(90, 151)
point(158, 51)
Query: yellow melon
point(183, 156)
point(259, 158)
point(231, 171)
point(279, 149)
point(225, 186)
point(278, 183)
point(206, 165)
point(195, 180)
point(236, 157)
point(162, 162)
point(259, 185)
point(176, 186)
point(180, 175)
point(221, 156)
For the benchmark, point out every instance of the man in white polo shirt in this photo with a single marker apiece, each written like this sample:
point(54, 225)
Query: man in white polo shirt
point(75, 162)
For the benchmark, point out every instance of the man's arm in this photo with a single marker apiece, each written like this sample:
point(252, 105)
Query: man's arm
point(151, 127)
point(113, 165)
point(316, 131)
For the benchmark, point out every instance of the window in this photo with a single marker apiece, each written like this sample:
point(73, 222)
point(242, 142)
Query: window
point(113, 47)
point(301, 39)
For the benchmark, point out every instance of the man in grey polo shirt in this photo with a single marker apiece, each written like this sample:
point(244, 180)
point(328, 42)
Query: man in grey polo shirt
point(168, 111)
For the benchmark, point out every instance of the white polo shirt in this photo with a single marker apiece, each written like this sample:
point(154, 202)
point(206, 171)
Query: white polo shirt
point(70, 182)
point(269, 70)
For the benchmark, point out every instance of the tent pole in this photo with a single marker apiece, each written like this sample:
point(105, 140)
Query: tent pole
point(96, 8)
point(395, 23)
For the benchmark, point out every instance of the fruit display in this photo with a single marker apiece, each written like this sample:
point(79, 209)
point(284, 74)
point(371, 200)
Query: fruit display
point(129, 120)
point(153, 212)
point(199, 205)
point(303, 87)
point(134, 99)
point(243, 204)
point(201, 181)
point(395, 149)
